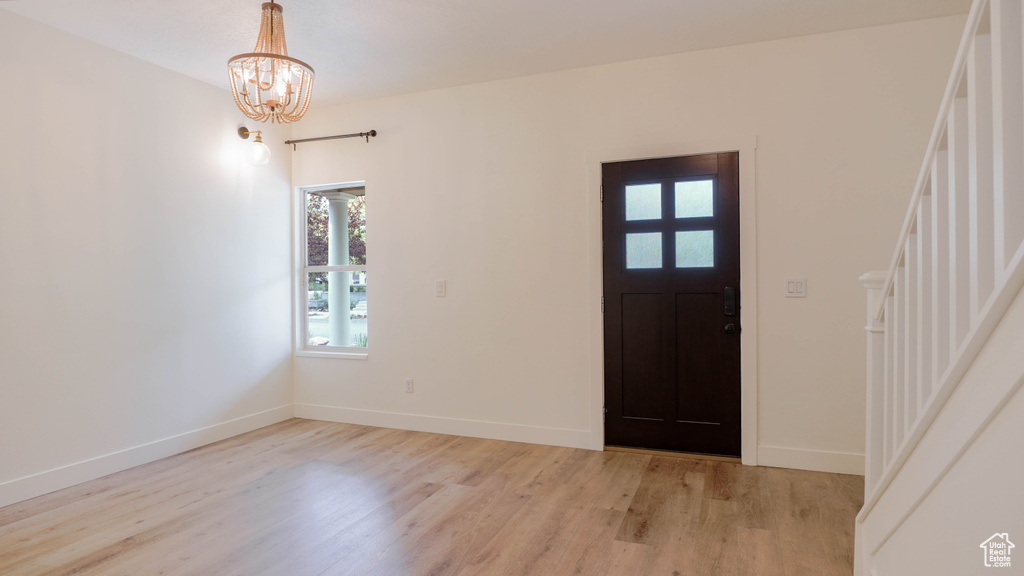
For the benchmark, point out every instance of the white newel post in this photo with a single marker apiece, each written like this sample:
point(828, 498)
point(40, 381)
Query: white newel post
point(873, 282)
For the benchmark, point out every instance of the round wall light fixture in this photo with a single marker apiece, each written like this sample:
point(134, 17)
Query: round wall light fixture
point(257, 153)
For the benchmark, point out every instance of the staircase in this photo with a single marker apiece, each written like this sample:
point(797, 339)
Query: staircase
point(945, 332)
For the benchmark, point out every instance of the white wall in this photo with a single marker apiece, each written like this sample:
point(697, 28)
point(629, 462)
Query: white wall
point(486, 186)
point(144, 269)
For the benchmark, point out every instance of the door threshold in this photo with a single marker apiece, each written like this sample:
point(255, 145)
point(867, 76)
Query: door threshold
point(671, 454)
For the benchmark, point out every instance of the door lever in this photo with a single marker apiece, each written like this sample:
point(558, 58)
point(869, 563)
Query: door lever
point(729, 302)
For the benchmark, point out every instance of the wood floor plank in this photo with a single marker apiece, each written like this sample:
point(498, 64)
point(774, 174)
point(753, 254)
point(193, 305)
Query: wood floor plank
point(840, 514)
point(437, 536)
point(306, 498)
point(748, 487)
point(626, 559)
point(532, 542)
point(257, 507)
point(387, 548)
point(437, 557)
point(327, 491)
point(798, 516)
point(559, 514)
point(534, 467)
point(665, 497)
point(590, 552)
point(342, 534)
point(753, 551)
point(715, 540)
point(451, 461)
point(676, 549)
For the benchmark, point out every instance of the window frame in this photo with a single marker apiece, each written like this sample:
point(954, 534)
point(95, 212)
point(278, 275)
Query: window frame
point(302, 271)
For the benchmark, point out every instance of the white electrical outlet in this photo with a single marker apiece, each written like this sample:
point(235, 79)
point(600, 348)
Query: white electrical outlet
point(408, 385)
point(440, 288)
point(796, 287)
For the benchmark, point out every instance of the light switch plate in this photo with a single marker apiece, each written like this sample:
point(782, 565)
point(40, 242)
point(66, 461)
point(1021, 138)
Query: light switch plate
point(440, 288)
point(796, 287)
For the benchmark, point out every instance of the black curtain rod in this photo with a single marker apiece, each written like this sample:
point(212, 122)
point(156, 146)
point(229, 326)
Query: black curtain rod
point(366, 135)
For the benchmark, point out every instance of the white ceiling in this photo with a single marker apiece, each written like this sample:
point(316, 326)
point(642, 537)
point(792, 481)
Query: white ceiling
point(370, 48)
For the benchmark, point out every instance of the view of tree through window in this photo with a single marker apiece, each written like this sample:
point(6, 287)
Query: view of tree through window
point(317, 230)
point(344, 269)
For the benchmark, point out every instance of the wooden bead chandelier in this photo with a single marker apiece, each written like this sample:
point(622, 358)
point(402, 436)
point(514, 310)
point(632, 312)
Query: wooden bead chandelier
point(267, 83)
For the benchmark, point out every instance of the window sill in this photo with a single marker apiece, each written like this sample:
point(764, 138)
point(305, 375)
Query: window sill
point(341, 353)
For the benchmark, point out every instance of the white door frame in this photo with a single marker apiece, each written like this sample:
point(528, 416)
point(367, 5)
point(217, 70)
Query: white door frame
point(747, 148)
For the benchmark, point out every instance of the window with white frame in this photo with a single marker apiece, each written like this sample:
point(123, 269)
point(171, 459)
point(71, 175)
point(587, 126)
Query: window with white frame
point(334, 273)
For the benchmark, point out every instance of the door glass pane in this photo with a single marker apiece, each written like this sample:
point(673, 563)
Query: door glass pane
point(643, 250)
point(335, 214)
point(337, 291)
point(695, 249)
point(643, 202)
point(695, 199)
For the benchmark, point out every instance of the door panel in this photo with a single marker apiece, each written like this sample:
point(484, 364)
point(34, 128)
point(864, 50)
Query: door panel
point(702, 359)
point(671, 249)
point(643, 358)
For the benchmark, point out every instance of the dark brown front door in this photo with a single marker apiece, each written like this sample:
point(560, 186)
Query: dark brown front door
point(671, 289)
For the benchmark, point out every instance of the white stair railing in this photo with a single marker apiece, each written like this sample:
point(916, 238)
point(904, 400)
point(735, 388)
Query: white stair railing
point(958, 263)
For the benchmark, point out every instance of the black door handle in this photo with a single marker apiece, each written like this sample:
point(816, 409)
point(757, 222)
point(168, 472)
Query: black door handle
point(730, 328)
point(729, 302)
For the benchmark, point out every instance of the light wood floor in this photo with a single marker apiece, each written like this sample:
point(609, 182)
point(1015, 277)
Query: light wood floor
point(308, 498)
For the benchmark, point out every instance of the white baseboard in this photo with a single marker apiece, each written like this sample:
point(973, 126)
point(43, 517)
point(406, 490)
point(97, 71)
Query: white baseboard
point(45, 482)
point(818, 460)
point(439, 425)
